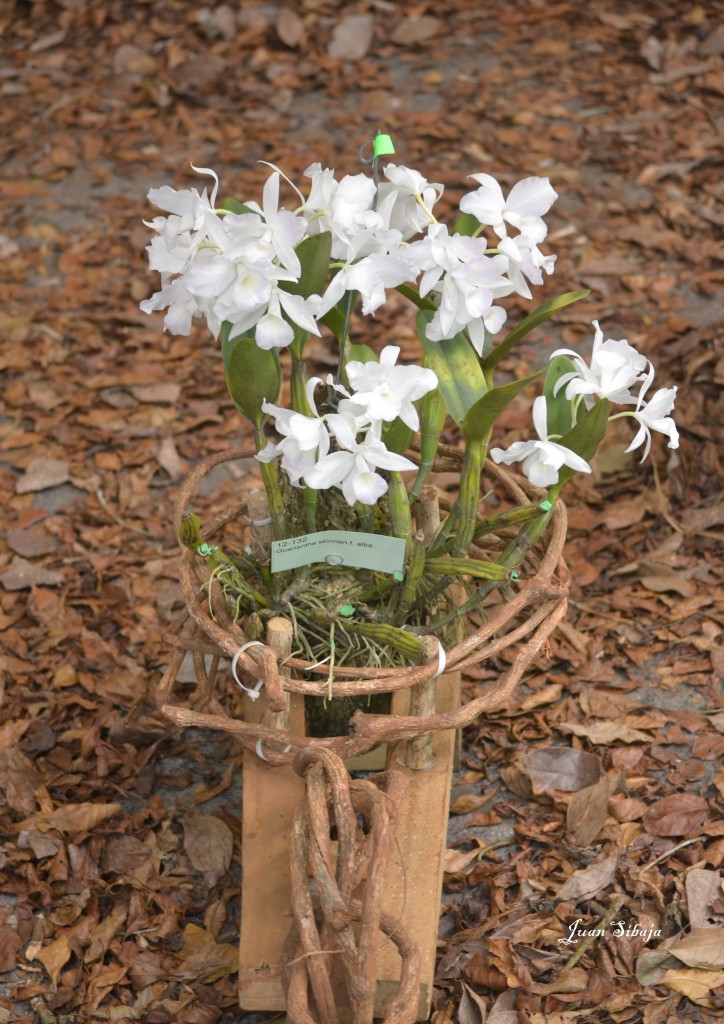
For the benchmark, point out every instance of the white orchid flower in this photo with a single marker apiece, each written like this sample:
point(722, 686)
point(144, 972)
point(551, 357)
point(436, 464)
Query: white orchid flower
point(542, 459)
point(179, 234)
point(284, 227)
point(655, 416)
point(305, 439)
point(615, 367)
point(525, 261)
point(412, 199)
point(387, 391)
point(527, 201)
point(353, 467)
point(342, 207)
point(273, 331)
point(467, 294)
point(182, 306)
point(187, 205)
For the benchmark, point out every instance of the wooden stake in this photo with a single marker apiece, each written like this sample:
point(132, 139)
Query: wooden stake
point(422, 702)
point(257, 508)
point(427, 512)
point(279, 634)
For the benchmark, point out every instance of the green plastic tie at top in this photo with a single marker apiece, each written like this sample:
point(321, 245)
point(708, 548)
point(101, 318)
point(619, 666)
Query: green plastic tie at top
point(545, 506)
point(346, 610)
point(206, 549)
point(513, 575)
point(382, 146)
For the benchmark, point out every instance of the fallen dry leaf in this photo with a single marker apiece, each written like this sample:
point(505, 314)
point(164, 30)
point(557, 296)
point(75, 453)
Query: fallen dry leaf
point(604, 733)
point(290, 27)
point(456, 860)
point(43, 473)
point(696, 985)
point(209, 843)
point(588, 882)
point(702, 947)
point(72, 817)
point(10, 944)
point(351, 37)
point(676, 815)
point(587, 810)
point(205, 960)
point(564, 768)
point(703, 887)
point(468, 802)
point(166, 393)
point(22, 575)
point(55, 956)
point(416, 29)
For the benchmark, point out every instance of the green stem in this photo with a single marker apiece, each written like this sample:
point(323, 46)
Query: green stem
point(270, 477)
point(469, 496)
point(414, 296)
point(344, 338)
point(400, 513)
point(310, 508)
point(432, 420)
point(365, 516)
point(413, 576)
point(298, 384)
point(511, 557)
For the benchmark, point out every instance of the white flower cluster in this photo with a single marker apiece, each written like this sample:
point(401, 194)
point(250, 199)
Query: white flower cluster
point(615, 368)
point(381, 392)
point(231, 267)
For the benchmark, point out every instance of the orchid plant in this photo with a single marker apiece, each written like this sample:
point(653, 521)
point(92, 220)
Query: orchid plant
point(265, 278)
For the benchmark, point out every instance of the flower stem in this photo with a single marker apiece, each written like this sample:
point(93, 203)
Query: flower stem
point(400, 513)
point(270, 476)
point(310, 508)
point(469, 495)
point(366, 517)
point(351, 301)
point(298, 385)
point(415, 568)
point(432, 420)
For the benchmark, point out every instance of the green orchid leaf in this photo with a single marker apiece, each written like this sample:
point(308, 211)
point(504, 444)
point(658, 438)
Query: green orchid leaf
point(466, 224)
point(361, 354)
point(480, 417)
point(460, 379)
point(252, 374)
point(234, 206)
point(560, 417)
point(334, 320)
point(532, 320)
point(397, 436)
point(313, 253)
point(414, 296)
point(586, 436)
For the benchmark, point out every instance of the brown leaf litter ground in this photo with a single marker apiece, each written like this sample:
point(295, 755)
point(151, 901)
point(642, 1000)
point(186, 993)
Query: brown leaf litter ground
point(594, 801)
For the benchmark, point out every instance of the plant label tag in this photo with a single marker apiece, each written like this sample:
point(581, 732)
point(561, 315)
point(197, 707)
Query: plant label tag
point(340, 547)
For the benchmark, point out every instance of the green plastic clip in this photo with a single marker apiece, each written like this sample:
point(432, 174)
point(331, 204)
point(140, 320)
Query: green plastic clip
point(383, 146)
point(346, 610)
point(206, 549)
point(399, 576)
point(545, 506)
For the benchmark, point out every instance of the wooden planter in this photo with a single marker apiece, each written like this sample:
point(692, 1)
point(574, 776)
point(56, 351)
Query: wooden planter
point(420, 738)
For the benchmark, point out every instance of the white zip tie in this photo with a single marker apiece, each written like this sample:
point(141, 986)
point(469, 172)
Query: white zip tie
point(254, 692)
point(441, 660)
point(260, 752)
point(260, 522)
